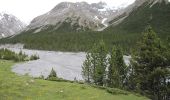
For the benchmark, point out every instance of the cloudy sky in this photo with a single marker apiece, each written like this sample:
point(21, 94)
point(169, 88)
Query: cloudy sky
point(26, 10)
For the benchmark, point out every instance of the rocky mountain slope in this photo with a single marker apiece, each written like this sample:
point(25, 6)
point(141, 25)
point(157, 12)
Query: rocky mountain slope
point(142, 14)
point(132, 22)
point(124, 13)
point(10, 25)
point(79, 16)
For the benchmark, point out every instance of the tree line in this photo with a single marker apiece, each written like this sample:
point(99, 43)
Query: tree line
point(148, 72)
point(6, 54)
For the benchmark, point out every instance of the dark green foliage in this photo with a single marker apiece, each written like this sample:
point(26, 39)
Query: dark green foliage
point(112, 73)
point(53, 73)
point(6, 54)
point(117, 70)
point(94, 67)
point(71, 41)
point(34, 57)
point(103, 69)
point(125, 34)
point(100, 54)
point(150, 67)
point(52, 76)
point(22, 57)
point(9, 55)
point(86, 68)
point(113, 91)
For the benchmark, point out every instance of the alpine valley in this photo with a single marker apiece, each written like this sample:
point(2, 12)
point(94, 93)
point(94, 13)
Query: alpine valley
point(77, 26)
point(83, 51)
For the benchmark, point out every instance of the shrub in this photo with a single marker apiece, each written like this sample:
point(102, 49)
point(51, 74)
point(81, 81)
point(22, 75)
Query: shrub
point(116, 91)
point(10, 55)
point(52, 76)
point(6, 54)
point(34, 57)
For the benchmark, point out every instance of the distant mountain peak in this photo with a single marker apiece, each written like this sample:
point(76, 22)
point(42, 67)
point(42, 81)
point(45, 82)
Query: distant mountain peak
point(89, 16)
point(10, 25)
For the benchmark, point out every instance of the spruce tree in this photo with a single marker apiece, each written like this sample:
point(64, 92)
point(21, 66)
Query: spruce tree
point(150, 63)
point(101, 63)
point(53, 75)
point(86, 68)
point(112, 74)
point(94, 67)
point(94, 63)
point(117, 69)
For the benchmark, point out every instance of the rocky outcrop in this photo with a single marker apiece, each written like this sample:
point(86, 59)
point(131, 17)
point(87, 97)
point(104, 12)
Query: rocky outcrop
point(10, 25)
point(81, 14)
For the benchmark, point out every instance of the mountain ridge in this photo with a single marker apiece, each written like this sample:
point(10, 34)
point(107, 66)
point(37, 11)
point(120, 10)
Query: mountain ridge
point(124, 13)
point(10, 25)
point(124, 34)
point(89, 16)
point(149, 13)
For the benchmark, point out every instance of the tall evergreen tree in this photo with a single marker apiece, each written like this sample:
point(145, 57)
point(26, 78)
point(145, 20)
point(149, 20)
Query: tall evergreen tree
point(112, 73)
point(101, 63)
point(150, 63)
point(117, 69)
point(94, 63)
point(94, 67)
point(86, 68)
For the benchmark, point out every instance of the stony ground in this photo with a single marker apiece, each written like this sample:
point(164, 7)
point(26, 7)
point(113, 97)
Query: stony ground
point(66, 64)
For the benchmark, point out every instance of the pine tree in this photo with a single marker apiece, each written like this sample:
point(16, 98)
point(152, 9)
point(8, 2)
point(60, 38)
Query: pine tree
point(101, 63)
point(86, 68)
point(94, 67)
point(150, 63)
point(53, 75)
point(117, 69)
point(111, 68)
point(94, 64)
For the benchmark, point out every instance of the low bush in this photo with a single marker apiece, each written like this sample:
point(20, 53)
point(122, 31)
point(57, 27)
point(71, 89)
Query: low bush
point(115, 91)
point(7, 54)
point(34, 57)
point(52, 76)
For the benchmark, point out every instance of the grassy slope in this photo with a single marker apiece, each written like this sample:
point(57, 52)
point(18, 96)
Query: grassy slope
point(13, 87)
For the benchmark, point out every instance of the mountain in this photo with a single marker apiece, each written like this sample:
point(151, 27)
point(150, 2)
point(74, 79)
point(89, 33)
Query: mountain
point(68, 16)
point(10, 25)
point(124, 28)
point(136, 17)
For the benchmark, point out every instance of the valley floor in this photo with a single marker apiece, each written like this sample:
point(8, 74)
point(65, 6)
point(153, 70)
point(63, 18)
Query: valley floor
point(14, 87)
point(66, 64)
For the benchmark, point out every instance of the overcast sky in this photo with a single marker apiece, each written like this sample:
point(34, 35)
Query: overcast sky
point(26, 10)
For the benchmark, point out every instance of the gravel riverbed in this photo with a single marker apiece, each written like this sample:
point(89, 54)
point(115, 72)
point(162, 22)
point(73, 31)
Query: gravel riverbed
point(66, 64)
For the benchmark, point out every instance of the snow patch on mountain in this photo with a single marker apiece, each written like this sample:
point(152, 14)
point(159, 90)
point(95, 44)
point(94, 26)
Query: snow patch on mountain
point(3, 35)
point(88, 16)
point(96, 17)
point(104, 22)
